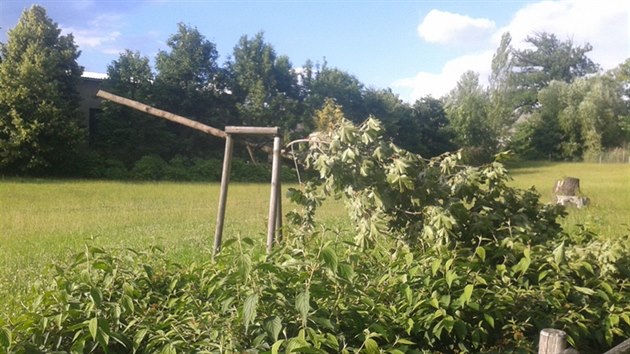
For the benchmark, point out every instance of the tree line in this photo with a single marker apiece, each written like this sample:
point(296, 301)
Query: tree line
point(549, 101)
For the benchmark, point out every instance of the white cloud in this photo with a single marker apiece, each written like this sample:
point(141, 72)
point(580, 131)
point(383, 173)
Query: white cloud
point(438, 85)
point(604, 24)
point(100, 33)
point(450, 28)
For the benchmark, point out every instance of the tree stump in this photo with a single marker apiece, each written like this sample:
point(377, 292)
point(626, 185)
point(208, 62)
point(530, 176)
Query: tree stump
point(567, 191)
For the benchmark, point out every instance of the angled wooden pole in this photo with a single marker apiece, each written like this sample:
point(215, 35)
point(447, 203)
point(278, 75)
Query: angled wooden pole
point(162, 114)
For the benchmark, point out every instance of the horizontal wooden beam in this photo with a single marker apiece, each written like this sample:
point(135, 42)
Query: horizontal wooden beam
point(162, 114)
point(252, 130)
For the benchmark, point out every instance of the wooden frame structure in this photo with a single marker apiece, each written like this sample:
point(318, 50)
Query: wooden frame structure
point(275, 201)
point(274, 224)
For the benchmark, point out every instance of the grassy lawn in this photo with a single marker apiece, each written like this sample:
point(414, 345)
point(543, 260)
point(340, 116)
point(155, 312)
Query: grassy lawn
point(44, 221)
point(607, 186)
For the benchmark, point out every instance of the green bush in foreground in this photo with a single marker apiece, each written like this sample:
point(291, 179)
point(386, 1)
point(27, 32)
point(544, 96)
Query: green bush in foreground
point(324, 296)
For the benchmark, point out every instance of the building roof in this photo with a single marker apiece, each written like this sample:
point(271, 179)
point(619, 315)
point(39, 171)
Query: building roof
point(93, 75)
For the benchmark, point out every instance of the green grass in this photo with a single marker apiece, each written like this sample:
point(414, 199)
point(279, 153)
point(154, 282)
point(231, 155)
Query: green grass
point(607, 186)
point(44, 221)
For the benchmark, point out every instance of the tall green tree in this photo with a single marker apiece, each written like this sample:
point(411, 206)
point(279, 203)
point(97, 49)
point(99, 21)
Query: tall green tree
point(264, 84)
point(387, 107)
point(467, 110)
point(539, 134)
point(592, 117)
point(426, 131)
point(122, 133)
point(190, 82)
point(620, 78)
point(575, 121)
point(39, 117)
point(549, 59)
point(501, 113)
point(344, 88)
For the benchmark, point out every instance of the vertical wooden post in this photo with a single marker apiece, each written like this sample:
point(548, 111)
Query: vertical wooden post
point(225, 180)
point(279, 209)
point(273, 199)
point(552, 341)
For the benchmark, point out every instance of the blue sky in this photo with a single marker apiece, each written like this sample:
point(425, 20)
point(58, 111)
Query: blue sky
point(414, 47)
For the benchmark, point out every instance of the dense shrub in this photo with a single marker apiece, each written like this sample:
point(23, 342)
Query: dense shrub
point(328, 297)
point(154, 168)
point(150, 167)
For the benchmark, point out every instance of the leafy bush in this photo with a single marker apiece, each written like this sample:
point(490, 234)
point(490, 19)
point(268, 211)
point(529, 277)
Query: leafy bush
point(150, 167)
point(323, 296)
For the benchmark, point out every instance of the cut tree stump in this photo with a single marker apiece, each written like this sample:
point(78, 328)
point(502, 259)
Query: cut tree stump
point(567, 191)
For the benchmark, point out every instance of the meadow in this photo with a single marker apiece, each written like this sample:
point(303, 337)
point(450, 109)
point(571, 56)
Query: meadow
point(46, 221)
point(607, 186)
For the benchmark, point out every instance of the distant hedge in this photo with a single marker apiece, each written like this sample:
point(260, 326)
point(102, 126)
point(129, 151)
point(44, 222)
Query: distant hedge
point(155, 168)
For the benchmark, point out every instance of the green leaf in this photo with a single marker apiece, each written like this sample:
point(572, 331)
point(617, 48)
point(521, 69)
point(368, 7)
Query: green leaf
point(5, 338)
point(465, 297)
point(481, 253)
point(249, 310)
point(346, 271)
point(435, 265)
point(607, 288)
point(273, 326)
point(93, 327)
point(122, 339)
point(448, 264)
point(371, 347)
point(450, 276)
point(295, 344)
point(127, 304)
point(460, 329)
point(522, 265)
point(330, 258)
point(302, 305)
point(489, 319)
point(409, 295)
point(588, 267)
point(404, 341)
point(97, 297)
point(558, 253)
point(149, 270)
point(583, 290)
point(275, 348)
point(527, 252)
point(138, 337)
point(168, 349)
point(78, 346)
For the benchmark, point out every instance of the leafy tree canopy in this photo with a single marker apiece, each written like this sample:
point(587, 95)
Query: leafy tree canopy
point(39, 122)
point(549, 59)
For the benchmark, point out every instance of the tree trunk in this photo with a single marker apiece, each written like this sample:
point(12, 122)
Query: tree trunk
point(568, 186)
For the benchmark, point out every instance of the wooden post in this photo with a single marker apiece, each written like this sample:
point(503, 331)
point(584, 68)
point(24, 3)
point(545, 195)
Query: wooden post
point(552, 341)
point(225, 180)
point(622, 348)
point(274, 199)
point(279, 208)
